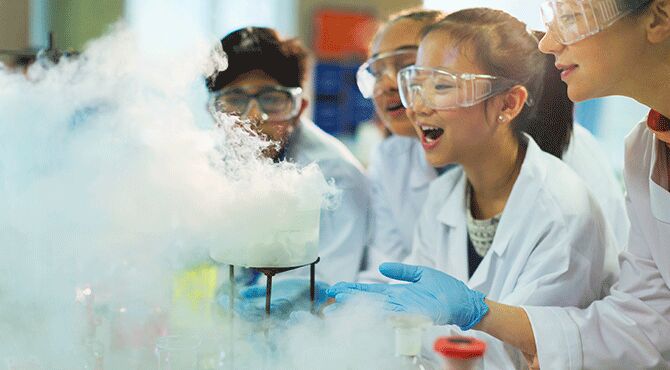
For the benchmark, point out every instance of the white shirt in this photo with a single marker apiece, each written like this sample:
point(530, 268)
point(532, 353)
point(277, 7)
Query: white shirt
point(344, 231)
point(630, 329)
point(549, 248)
point(399, 179)
point(586, 157)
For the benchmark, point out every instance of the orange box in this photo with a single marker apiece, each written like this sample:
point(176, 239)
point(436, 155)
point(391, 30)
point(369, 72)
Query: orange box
point(343, 34)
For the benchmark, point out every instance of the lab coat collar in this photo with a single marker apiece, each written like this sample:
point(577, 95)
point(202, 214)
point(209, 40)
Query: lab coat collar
point(453, 211)
point(424, 173)
point(524, 192)
point(531, 178)
point(659, 197)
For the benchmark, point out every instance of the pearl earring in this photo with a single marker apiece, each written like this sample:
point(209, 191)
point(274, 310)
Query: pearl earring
point(501, 118)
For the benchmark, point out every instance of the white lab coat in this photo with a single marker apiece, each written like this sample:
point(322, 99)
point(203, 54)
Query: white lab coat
point(400, 176)
point(630, 329)
point(399, 179)
point(549, 248)
point(344, 231)
point(586, 157)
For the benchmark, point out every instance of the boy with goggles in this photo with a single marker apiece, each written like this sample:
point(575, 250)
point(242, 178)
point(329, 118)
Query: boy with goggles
point(275, 102)
point(263, 84)
point(570, 21)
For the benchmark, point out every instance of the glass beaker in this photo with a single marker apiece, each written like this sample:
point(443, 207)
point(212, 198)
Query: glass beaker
point(460, 353)
point(178, 352)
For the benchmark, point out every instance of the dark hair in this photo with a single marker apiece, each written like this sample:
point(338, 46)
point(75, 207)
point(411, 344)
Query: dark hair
point(504, 47)
point(259, 48)
point(637, 6)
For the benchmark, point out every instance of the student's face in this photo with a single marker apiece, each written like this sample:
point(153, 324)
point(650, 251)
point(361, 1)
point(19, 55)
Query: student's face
point(600, 65)
point(400, 35)
point(278, 131)
point(466, 131)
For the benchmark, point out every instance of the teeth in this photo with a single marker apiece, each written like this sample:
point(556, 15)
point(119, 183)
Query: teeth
point(429, 140)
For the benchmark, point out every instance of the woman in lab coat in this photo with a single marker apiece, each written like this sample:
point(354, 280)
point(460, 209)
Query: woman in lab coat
point(399, 173)
point(513, 221)
point(629, 328)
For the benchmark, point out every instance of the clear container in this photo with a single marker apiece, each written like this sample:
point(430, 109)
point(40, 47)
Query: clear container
point(408, 332)
point(460, 353)
point(178, 352)
point(282, 240)
point(94, 352)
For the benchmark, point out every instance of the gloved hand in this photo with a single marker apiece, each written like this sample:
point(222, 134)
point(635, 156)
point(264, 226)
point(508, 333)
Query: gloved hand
point(432, 293)
point(287, 296)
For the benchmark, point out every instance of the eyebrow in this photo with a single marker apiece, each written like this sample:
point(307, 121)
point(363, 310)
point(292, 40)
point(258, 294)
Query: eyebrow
point(404, 47)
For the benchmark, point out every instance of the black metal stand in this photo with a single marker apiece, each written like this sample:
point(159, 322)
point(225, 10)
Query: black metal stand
point(270, 272)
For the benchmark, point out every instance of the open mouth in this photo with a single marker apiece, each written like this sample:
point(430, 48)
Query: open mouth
point(431, 134)
point(394, 107)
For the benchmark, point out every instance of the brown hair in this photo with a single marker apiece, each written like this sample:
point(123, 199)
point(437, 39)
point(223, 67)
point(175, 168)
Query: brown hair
point(504, 47)
point(260, 48)
point(417, 14)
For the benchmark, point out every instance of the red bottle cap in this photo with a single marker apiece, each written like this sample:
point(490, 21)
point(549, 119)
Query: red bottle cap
point(460, 347)
point(658, 122)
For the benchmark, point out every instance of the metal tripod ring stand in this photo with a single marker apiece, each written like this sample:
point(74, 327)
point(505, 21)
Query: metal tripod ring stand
point(269, 273)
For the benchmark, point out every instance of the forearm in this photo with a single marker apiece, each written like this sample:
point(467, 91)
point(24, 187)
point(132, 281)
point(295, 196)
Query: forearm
point(511, 325)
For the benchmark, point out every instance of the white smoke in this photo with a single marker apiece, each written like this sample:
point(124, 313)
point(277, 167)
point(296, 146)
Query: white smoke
point(114, 176)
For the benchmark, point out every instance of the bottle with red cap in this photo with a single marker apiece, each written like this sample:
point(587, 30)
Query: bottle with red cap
point(460, 353)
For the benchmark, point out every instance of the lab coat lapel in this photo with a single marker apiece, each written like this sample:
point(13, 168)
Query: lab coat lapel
point(659, 199)
point(524, 192)
point(425, 173)
point(452, 215)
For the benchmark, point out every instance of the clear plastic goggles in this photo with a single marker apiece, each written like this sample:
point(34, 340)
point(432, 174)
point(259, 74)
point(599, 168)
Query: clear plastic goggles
point(440, 89)
point(383, 65)
point(570, 21)
point(277, 103)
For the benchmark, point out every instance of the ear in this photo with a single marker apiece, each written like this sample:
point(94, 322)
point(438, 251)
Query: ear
point(303, 105)
point(513, 102)
point(658, 28)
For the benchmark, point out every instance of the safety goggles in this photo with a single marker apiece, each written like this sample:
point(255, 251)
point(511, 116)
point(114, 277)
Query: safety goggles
point(276, 103)
point(570, 21)
point(383, 65)
point(440, 89)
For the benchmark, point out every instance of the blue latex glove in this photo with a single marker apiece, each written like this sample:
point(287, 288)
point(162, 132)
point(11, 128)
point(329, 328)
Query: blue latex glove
point(432, 293)
point(288, 296)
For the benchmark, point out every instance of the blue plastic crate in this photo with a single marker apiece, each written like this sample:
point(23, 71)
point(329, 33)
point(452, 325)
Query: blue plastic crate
point(328, 79)
point(327, 115)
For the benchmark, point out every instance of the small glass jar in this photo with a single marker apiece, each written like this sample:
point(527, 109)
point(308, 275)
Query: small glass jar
point(460, 353)
point(178, 352)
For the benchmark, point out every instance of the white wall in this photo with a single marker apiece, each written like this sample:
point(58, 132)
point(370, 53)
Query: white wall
point(526, 10)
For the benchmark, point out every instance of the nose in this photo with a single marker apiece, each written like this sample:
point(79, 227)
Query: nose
point(386, 82)
point(254, 112)
point(419, 105)
point(550, 44)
